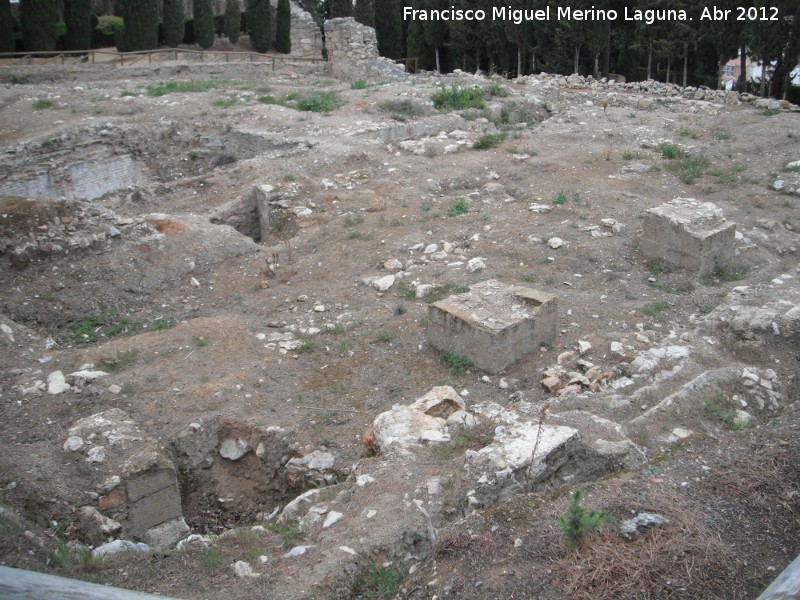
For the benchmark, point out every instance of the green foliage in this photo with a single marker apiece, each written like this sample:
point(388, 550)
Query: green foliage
point(400, 309)
point(459, 207)
point(341, 8)
point(38, 20)
point(560, 198)
point(203, 14)
point(490, 140)
point(654, 308)
point(43, 103)
point(174, 18)
point(314, 102)
point(140, 18)
point(211, 560)
point(402, 110)
point(727, 273)
point(670, 151)
point(379, 582)
point(389, 27)
point(384, 336)
point(307, 346)
point(259, 20)
point(655, 265)
point(233, 20)
point(769, 112)
point(578, 522)
point(162, 89)
point(77, 16)
point(7, 41)
point(225, 102)
point(499, 91)
point(122, 361)
point(364, 12)
point(728, 175)
point(457, 364)
point(283, 18)
point(358, 85)
point(458, 98)
point(289, 532)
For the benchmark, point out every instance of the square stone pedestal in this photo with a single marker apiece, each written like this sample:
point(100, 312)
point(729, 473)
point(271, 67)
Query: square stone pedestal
point(494, 324)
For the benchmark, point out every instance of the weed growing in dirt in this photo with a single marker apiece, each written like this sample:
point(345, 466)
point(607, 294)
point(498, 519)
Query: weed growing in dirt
point(425, 207)
point(43, 103)
point(490, 140)
point(225, 102)
point(670, 151)
point(560, 198)
point(458, 98)
point(723, 135)
point(401, 110)
point(384, 336)
point(64, 556)
point(121, 362)
point(726, 273)
point(579, 521)
point(352, 221)
point(631, 115)
point(769, 112)
point(358, 85)
point(200, 342)
point(314, 102)
point(629, 155)
point(689, 134)
point(498, 90)
point(211, 560)
point(727, 176)
point(106, 325)
point(162, 89)
point(400, 309)
point(654, 308)
point(655, 266)
point(160, 324)
point(289, 533)
point(306, 347)
point(379, 582)
point(457, 364)
point(459, 207)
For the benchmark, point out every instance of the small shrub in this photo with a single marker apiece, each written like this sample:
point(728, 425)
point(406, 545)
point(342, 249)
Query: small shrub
point(490, 140)
point(289, 532)
point(670, 151)
point(560, 198)
point(384, 336)
point(457, 364)
point(358, 85)
point(652, 309)
point(498, 90)
point(727, 273)
point(318, 102)
point(690, 134)
point(425, 207)
point(306, 347)
point(578, 522)
point(380, 582)
point(400, 309)
point(769, 112)
point(43, 103)
point(655, 266)
point(458, 98)
point(459, 207)
point(401, 110)
point(225, 102)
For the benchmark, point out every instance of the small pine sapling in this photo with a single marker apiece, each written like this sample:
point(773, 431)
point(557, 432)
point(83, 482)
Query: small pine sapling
point(579, 521)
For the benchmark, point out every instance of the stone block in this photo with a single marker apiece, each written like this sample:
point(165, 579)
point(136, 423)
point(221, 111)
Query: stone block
point(688, 234)
point(494, 324)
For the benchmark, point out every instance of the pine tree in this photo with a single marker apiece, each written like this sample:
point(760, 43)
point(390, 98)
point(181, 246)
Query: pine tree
point(259, 21)
point(283, 38)
point(389, 28)
point(38, 19)
point(233, 20)
point(364, 12)
point(7, 41)
point(341, 8)
point(79, 24)
point(174, 22)
point(140, 18)
point(203, 23)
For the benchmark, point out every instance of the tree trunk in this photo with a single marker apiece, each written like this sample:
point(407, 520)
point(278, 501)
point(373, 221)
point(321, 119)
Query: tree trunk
point(577, 58)
point(438, 62)
point(597, 66)
point(607, 51)
point(763, 89)
point(520, 66)
point(669, 60)
point(685, 63)
point(649, 57)
point(742, 84)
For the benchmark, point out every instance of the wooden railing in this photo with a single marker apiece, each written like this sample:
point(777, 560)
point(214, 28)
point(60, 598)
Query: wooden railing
point(11, 59)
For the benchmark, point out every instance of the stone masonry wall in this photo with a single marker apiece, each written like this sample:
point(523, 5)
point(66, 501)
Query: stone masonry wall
point(353, 51)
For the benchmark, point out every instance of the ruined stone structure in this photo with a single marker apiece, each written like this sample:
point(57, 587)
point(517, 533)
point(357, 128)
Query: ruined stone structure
point(353, 50)
point(493, 325)
point(688, 234)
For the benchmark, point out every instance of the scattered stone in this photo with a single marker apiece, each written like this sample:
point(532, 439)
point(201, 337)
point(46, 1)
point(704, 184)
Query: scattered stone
point(118, 546)
point(555, 242)
point(363, 480)
point(393, 265)
point(243, 570)
point(331, 519)
point(195, 539)
point(73, 443)
point(96, 455)
point(475, 264)
point(298, 551)
point(423, 291)
point(617, 348)
point(57, 383)
point(383, 283)
point(84, 376)
point(234, 449)
point(742, 420)
point(583, 347)
point(106, 525)
point(632, 528)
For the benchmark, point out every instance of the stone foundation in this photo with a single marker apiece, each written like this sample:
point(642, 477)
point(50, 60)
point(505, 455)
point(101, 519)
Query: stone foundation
point(493, 325)
point(688, 234)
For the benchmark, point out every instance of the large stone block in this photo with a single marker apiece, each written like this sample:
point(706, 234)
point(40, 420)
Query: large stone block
point(493, 325)
point(688, 234)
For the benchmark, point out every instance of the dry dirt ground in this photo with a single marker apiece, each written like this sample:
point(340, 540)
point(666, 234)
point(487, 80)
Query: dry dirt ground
point(186, 342)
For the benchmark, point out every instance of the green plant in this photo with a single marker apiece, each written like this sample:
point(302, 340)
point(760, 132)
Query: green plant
point(140, 31)
point(318, 102)
point(652, 309)
point(379, 582)
point(425, 207)
point(497, 90)
point(122, 361)
point(289, 532)
point(259, 24)
point(401, 110)
point(723, 135)
point(460, 289)
point(457, 364)
point(174, 18)
point(128, 388)
point(690, 168)
point(225, 102)
point(306, 346)
point(769, 112)
point(358, 85)
point(727, 273)
point(671, 151)
point(162, 89)
point(728, 175)
point(351, 221)
point(38, 20)
point(579, 521)
point(458, 98)
point(548, 345)
point(655, 266)
point(200, 342)
point(283, 23)
point(631, 115)
point(559, 198)
point(400, 309)
point(384, 336)
point(160, 324)
point(43, 103)
point(490, 140)
point(211, 560)
point(689, 133)
point(459, 207)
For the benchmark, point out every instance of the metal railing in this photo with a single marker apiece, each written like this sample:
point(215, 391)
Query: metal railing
point(107, 57)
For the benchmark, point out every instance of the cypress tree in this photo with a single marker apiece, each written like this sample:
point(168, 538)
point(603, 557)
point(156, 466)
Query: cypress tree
point(6, 27)
point(341, 8)
point(283, 39)
point(140, 18)
point(389, 28)
point(174, 22)
point(37, 20)
point(79, 24)
point(259, 20)
point(233, 20)
point(364, 12)
point(203, 23)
